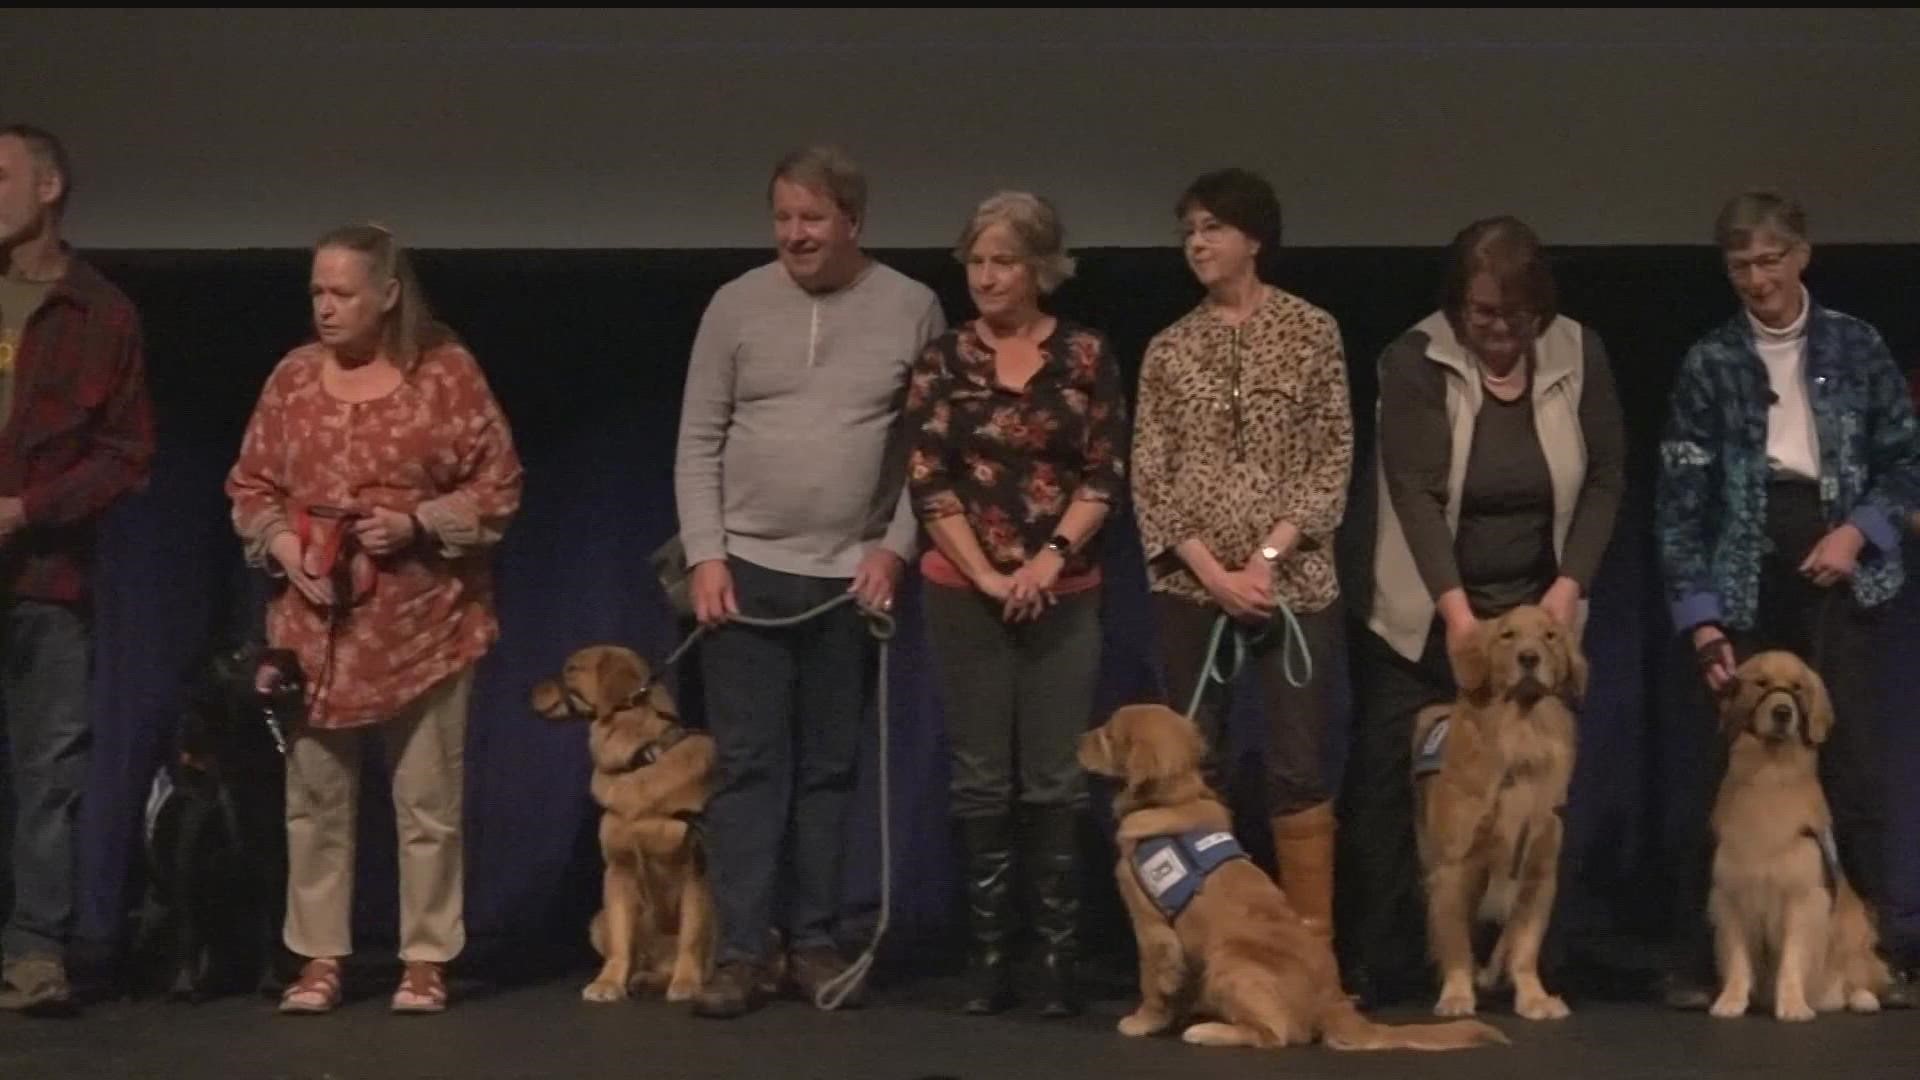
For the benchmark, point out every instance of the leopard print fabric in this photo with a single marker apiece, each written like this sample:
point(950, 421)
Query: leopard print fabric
point(1238, 429)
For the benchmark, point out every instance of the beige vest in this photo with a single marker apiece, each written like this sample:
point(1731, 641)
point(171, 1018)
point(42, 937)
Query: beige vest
point(1402, 608)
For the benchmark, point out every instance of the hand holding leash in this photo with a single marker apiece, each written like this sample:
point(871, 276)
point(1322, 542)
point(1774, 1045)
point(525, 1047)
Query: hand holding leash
point(285, 549)
point(383, 532)
point(1714, 653)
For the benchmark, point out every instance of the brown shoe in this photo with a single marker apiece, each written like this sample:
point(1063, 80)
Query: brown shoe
point(1303, 847)
point(734, 990)
point(37, 986)
point(810, 970)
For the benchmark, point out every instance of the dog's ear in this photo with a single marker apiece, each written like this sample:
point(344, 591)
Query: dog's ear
point(1736, 701)
point(1576, 660)
point(1819, 707)
point(621, 676)
point(660, 700)
point(1472, 667)
point(549, 700)
point(1095, 752)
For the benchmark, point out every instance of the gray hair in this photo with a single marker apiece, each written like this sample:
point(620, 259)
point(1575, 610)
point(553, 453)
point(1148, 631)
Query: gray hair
point(1034, 223)
point(825, 169)
point(1761, 210)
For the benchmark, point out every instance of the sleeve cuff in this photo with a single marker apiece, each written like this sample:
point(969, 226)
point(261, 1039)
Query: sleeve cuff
point(1876, 526)
point(932, 504)
point(906, 544)
point(702, 549)
point(1695, 609)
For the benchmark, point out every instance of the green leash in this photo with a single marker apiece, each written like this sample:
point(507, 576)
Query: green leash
point(1296, 659)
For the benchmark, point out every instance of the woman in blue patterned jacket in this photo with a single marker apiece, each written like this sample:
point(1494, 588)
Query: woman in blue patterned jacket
point(1790, 462)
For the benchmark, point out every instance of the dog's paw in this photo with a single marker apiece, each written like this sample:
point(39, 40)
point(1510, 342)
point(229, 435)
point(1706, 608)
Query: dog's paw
point(1863, 1001)
point(1454, 1003)
point(1729, 1007)
point(601, 992)
point(1793, 1012)
point(682, 990)
point(1544, 1007)
point(1218, 1034)
point(1142, 1022)
point(1489, 978)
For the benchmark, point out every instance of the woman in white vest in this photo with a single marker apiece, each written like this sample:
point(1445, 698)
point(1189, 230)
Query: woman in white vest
point(1497, 474)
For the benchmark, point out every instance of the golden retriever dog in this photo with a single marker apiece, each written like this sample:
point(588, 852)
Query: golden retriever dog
point(1781, 908)
point(1490, 781)
point(651, 778)
point(1236, 953)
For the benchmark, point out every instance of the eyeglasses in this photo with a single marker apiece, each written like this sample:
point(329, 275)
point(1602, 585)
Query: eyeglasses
point(1766, 262)
point(1516, 318)
point(1211, 228)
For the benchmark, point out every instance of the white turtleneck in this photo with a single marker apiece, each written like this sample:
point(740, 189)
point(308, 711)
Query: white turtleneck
point(1793, 446)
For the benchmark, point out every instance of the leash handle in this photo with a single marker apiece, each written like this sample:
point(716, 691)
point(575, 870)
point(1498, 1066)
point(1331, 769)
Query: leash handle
point(1296, 659)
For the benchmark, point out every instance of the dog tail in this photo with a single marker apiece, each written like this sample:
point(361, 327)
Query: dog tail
point(1343, 1028)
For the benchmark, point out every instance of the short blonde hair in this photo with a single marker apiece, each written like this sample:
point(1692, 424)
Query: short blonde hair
point(1034, 223)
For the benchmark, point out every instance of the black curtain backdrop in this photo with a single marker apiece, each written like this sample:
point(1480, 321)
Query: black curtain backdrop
point(586, 351)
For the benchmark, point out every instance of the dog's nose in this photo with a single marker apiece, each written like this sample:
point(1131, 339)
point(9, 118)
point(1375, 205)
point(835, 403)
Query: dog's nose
point(1783, 714)
point(1529, 659)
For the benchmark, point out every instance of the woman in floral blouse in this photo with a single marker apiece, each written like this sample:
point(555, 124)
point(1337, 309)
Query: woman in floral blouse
point(1240, 463)
point(376, 474)
point(1018, 427)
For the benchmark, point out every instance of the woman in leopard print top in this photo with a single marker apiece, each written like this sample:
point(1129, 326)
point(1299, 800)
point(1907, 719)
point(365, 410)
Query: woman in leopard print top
point(1242, 449)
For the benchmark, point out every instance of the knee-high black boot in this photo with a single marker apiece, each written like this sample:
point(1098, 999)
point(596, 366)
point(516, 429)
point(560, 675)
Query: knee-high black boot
point(1051, 853)
point(986, 845)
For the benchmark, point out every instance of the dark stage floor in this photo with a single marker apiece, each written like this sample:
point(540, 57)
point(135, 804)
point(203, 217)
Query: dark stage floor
point(544, 1030)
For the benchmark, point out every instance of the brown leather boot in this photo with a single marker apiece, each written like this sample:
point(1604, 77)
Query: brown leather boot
point(1303, 846)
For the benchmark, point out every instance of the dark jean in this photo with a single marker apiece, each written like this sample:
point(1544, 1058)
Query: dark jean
point(787, 708)
point(44, 660)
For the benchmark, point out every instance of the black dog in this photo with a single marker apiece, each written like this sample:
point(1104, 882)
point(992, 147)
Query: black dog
point(216, 838)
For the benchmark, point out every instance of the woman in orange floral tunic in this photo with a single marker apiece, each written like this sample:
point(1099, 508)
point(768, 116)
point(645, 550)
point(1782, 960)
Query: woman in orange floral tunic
point(376, 474)
point(1018, 425)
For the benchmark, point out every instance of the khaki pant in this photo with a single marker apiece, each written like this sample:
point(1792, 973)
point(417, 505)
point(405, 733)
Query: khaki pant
point(425, 747)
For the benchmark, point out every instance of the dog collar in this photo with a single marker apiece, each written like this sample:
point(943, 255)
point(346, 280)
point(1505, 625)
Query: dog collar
point(648, 753)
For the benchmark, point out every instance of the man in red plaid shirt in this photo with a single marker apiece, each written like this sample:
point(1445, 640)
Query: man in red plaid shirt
point(77, 434)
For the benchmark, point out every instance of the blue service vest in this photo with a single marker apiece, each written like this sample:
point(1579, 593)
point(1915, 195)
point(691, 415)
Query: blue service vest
point(1172, 868)
point(1432, 748)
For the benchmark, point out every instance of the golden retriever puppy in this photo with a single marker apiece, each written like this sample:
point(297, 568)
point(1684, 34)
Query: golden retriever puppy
point(1490, 781)
point(1782, 911)
point(1216, 935)
point(651, 777)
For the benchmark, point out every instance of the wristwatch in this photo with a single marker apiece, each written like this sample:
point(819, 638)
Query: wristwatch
point(1270, 553)
point(1059, 545)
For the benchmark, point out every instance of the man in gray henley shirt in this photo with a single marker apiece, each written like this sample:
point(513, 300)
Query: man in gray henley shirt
point(789, 481)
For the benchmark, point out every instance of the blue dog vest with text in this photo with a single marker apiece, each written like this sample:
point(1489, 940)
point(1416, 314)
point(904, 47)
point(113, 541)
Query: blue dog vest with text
point(1172, 868)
